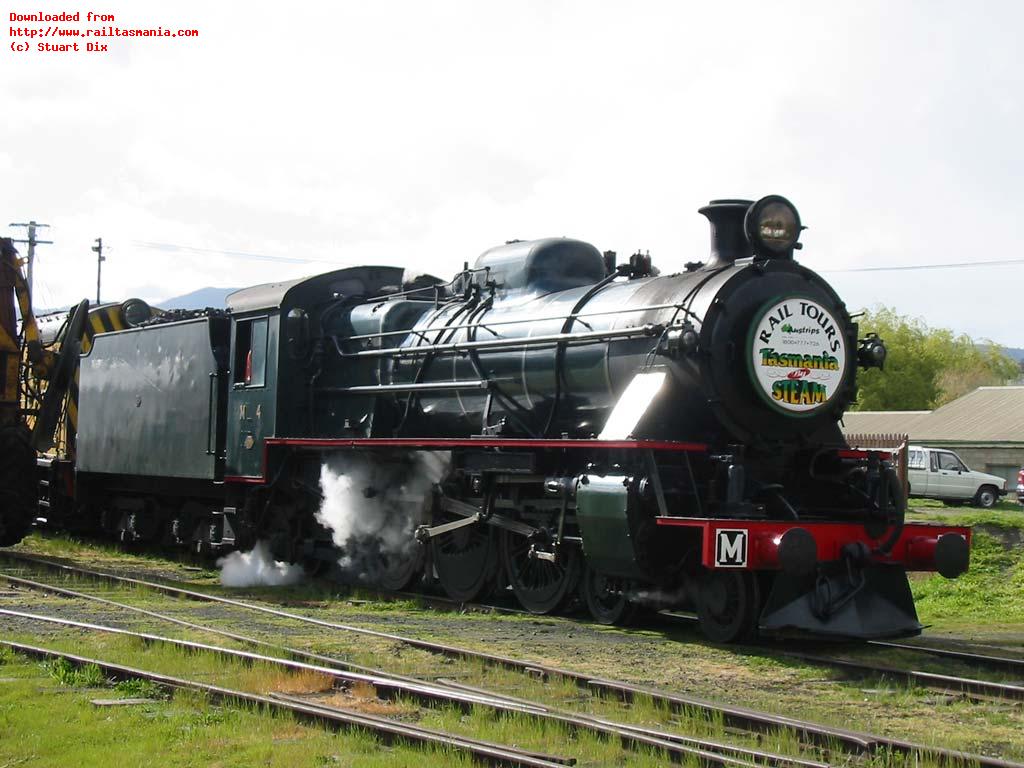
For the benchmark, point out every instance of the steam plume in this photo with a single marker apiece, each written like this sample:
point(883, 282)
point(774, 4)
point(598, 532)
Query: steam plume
point(257, 568)
point(372, 508)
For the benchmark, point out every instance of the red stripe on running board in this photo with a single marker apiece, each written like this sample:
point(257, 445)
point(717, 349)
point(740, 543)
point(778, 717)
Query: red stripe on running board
point(454, 442)
point(243, 478)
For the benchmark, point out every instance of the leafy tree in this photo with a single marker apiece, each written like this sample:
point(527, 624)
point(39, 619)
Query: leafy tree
point(926, 367)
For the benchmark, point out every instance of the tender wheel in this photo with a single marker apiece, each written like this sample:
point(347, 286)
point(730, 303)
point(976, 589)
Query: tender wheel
point(466, 561)
point(728, 605)
point(539, 585)
point(606, 599)
point(987, 497)
point(18, 493)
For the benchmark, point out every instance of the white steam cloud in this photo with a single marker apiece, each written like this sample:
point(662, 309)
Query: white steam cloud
point(658, 599)
point(372, 508)
point(257, 568)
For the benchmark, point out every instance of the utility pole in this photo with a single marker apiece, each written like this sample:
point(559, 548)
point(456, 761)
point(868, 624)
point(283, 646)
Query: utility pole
point(32, 243)
point(98, 250)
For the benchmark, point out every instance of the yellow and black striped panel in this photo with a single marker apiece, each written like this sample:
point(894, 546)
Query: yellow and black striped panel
point(102, 320)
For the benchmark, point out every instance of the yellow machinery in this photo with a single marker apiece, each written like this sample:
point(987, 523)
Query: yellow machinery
point(39, 388)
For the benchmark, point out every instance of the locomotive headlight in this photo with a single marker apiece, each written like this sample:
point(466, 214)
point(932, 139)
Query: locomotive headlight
point(772, 226)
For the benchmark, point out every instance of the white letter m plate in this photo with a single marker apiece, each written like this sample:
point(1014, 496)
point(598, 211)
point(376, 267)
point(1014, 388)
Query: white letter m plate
point(731, 548)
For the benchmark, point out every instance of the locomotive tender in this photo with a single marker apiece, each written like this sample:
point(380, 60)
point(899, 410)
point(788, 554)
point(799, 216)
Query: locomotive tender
point(611, 432)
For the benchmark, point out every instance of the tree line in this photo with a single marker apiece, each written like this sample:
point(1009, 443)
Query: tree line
point(926, 367)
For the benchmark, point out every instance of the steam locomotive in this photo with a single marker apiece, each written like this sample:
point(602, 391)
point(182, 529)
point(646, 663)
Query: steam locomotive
point(609, 434)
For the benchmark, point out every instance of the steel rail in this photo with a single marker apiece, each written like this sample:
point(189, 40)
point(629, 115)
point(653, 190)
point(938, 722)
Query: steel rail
point(674, 744)
point(743, 752)
point(256, 642)
point(966, 685)
point(488, 752)
point(979, 659)
point(705, 752)
point(423, 692)
point(980, 688)
point(732, 715)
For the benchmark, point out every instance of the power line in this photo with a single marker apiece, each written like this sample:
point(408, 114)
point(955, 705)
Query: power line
point(232, 254)
point(912, 267)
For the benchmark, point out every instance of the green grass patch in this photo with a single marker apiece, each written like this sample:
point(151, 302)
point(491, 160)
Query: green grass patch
point(992, 590)
point(664, 656)
point(1005, 514)
point(136, 688)
point(66, 673)
point(991, 593)
point(43, 729)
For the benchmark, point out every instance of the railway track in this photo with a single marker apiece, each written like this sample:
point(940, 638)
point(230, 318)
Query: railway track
point(981, 660)
point(857, 743)
point(976, 689)
point(982, 690)
point(705, 752)
point(973, 658)
point(493, 754)
point(979, 690)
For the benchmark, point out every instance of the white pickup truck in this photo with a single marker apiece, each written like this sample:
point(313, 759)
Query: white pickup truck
point(937, 473)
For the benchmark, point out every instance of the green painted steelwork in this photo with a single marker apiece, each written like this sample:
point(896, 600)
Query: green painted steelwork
point(151, 401)
point(608, 518)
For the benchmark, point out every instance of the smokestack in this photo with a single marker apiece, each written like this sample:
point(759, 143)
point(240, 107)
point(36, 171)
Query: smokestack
point(728, 240)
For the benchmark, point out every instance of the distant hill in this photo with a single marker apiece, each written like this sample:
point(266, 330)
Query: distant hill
point(1017, 353)
point(200, 299)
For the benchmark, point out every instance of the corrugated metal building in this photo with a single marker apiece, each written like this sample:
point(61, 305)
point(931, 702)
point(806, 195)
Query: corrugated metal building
point(985, 427)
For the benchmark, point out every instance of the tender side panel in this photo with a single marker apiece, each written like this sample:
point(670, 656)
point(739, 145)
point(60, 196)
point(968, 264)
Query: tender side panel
point(148, 401)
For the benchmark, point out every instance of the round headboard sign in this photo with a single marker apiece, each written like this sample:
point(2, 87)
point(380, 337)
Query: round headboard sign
point(798, 355)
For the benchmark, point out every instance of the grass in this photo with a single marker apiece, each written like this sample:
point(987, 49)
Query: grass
point(829, 702)
point(136, 688)
point(44, 729)
point(66, 673)
point(990, 596)
point(663, 656)
point(189, 718)
point(1005, 514)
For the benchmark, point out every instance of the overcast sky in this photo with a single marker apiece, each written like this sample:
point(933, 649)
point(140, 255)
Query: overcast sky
point(421, 133)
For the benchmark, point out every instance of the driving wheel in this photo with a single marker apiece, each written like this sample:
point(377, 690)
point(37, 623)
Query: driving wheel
point(728, 604)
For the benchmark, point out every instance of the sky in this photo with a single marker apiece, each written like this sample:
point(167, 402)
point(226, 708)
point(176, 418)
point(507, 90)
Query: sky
point(420, 134)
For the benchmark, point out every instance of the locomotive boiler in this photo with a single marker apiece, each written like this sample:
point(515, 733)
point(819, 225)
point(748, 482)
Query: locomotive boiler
point(611, 435)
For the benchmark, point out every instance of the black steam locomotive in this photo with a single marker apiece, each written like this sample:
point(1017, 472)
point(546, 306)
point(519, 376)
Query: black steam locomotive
point(605, 431)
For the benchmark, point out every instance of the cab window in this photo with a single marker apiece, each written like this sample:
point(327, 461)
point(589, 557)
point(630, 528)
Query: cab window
point(250, 368)
point(948, 461)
